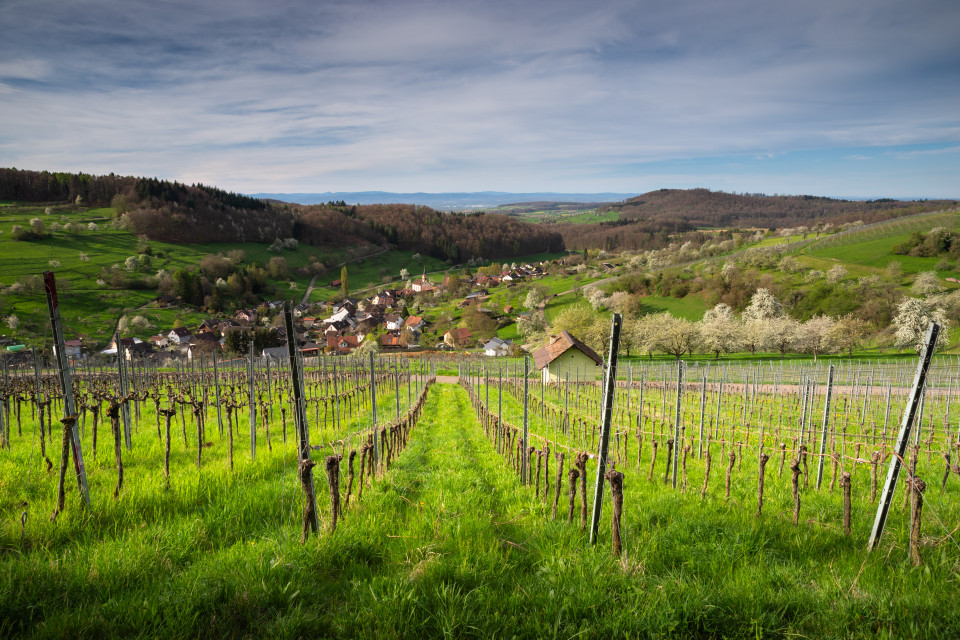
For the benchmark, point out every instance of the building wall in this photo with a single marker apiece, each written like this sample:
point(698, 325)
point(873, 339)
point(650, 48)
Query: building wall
point(571, 362)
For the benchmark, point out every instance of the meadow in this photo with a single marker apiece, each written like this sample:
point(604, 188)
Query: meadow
point(448, 541)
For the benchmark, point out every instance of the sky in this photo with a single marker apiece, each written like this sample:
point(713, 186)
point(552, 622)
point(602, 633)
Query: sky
point(844, 98)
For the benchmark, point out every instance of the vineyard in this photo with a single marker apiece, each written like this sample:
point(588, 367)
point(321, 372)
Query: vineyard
point(742, 496)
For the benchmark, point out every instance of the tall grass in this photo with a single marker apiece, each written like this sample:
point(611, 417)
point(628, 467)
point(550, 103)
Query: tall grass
point(446, 544)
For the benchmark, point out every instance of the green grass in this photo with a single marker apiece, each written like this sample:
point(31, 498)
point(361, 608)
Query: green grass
point(691, 307)
point(876, 254)
point(446, 544)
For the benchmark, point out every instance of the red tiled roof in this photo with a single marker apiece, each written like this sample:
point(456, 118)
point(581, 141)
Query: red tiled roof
point(559, 345)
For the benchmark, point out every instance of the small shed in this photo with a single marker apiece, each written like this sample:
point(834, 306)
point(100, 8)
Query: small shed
point(566, 357)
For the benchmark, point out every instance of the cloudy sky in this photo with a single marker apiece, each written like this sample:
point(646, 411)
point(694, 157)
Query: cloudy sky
point(826, 97)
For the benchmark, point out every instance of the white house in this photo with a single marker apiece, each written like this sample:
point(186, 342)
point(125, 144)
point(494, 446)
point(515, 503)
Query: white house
point(179, 336)
point(497, 347)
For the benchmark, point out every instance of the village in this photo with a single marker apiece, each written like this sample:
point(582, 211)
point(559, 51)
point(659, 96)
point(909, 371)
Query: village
point(379, 323)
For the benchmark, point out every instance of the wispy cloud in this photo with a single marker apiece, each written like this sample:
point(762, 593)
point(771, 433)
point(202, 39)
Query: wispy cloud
point(429, 95)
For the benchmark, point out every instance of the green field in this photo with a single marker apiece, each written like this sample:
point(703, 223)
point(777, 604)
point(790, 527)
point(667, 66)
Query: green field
point(447, 543)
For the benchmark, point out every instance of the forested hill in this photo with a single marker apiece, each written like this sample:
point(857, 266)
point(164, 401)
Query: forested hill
point(175, 212)
point(703, 208)
point(655, 219)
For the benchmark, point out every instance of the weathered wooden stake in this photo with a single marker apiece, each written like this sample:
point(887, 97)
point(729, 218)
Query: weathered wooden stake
point(761, 471)
point(615, 478)
point(917, 487)
point(903, 438)
point(846, 485)
point(606, 417)
point(66, 384)
point(824, 425)
point(305, 467)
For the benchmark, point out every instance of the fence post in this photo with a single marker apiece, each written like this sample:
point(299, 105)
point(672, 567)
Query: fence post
point(823, 427)
point(300, 420)
point(524, 471)
point(253, 404)
point(69, 404)
point(216, 390)
point(677, 445)
point(606, 415)
point(373, 408)
point(396, 386)
point(903, 438)
point(124, 391)
point(703, 412)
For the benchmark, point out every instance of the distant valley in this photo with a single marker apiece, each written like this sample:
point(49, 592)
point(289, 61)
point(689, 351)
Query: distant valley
point(452, 201)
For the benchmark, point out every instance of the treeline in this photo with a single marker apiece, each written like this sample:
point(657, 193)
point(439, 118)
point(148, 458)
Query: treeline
point(624, 235)
point(655, 219)
point(173, 212)
point(458, 237)
point(706, 208)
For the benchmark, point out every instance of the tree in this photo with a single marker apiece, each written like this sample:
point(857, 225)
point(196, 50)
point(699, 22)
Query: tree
point(677, 336)
point(277, 268)
point(913, 317)
point(814, 335)
point(533, 299)
point(848, 333)
point(531, 325)
point(404, 274)
point(343, 281)
point(763, 306)
point(720, 330)
point(780, 334)
point(119, 205)
point(927, 283)
point(581, 322)
point(895, 270)
point(481, 325)
point(596, 297)
point(13, 322)
point(836, 275)
point(368, 346)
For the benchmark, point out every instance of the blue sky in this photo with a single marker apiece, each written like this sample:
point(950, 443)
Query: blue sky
point(826, 97)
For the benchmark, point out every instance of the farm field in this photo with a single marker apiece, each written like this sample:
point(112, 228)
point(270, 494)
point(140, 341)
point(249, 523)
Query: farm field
point(448, 540)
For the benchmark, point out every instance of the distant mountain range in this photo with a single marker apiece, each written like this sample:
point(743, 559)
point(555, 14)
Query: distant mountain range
point(455, 201)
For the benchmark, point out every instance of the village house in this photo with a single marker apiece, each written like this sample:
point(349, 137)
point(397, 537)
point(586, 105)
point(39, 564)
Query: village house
point(159, 341)
point(497, 347)
point(415, 324)
point(207, 341)
point(301, 309)
point(566, 358)
point(391, 342)
point(392, 322)
point(422, 285)
point(384, 300)
point(342, 345)
point(179, 336)
point(457, 338)
point(73, 348)
point(209, 325)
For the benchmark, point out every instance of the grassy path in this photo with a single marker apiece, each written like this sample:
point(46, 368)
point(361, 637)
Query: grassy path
point(447, 544)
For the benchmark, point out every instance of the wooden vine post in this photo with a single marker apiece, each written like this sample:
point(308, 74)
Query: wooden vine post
point(610, 382)
point(524, 469)
point(216, 391)
point(305, 468)
point(677, 421)
point(903, 438)
point(252, 393)
point(824, 425)
point(375, 461)
point(70, 434)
